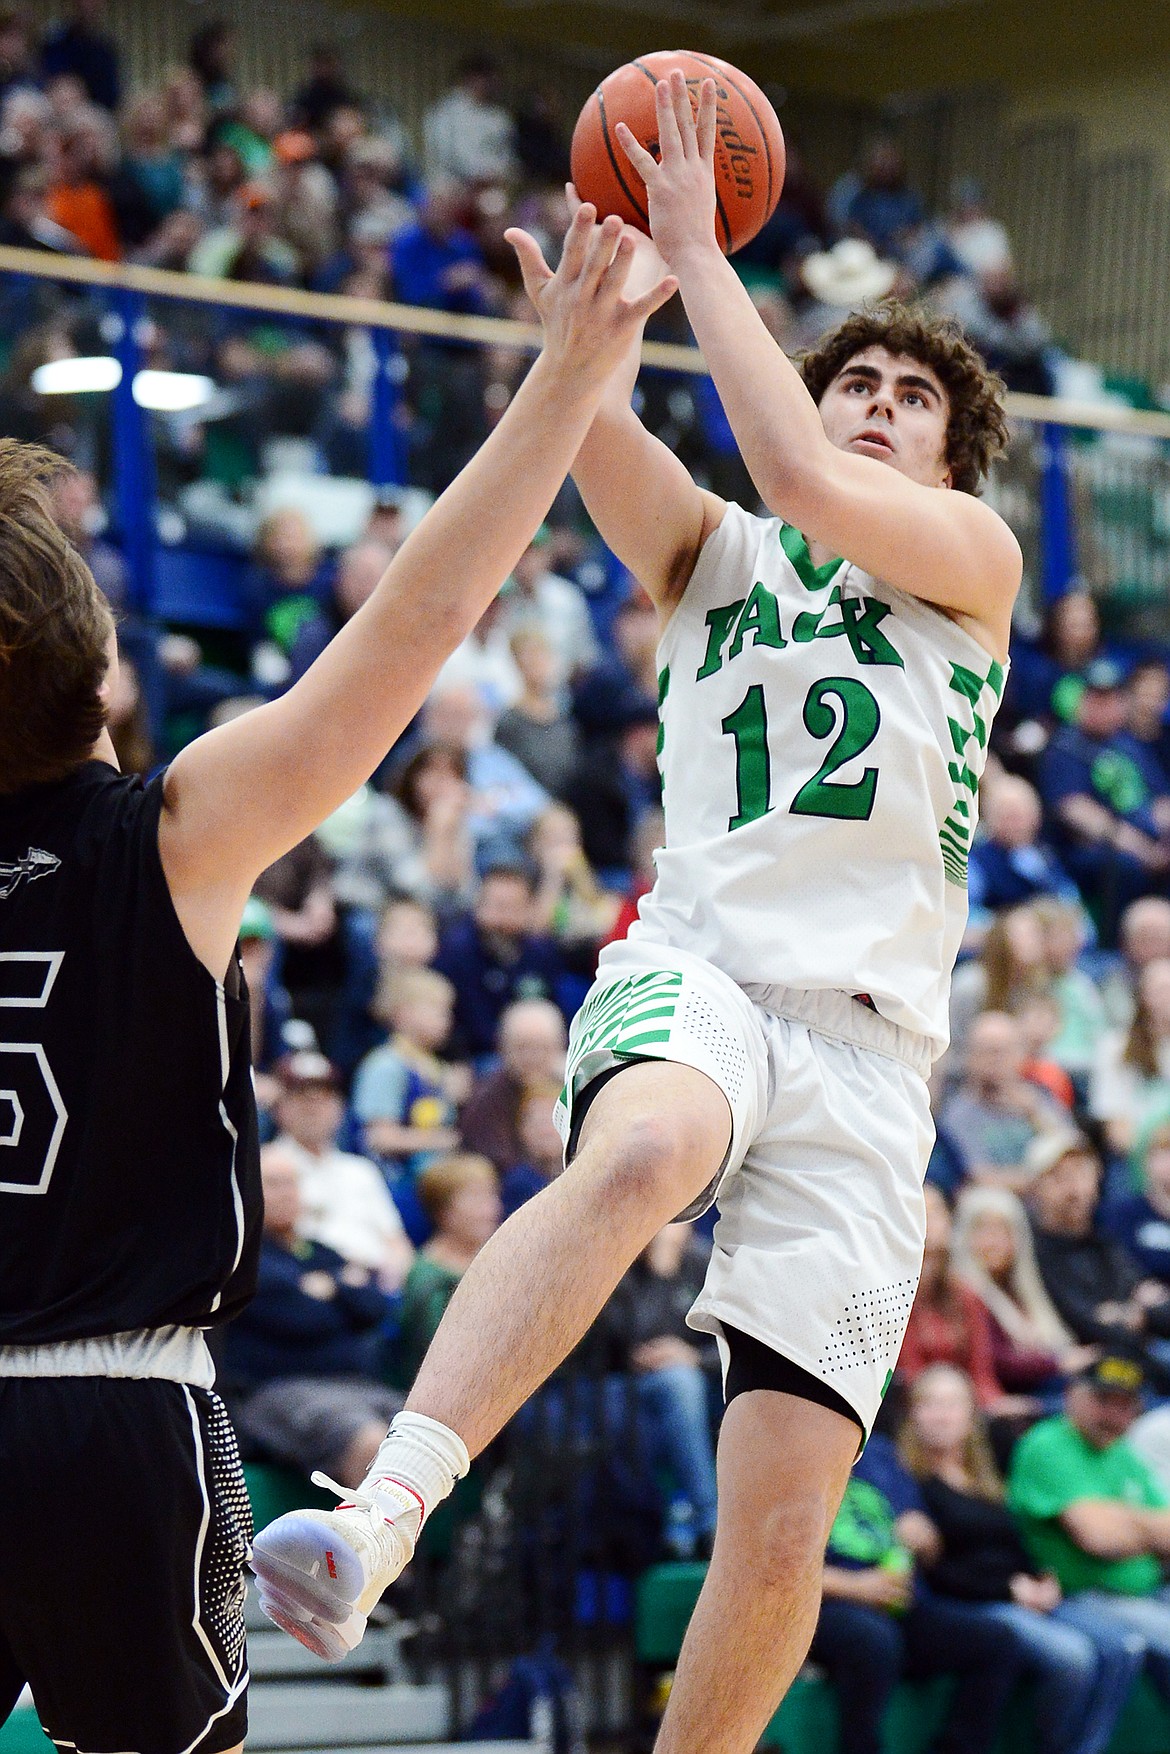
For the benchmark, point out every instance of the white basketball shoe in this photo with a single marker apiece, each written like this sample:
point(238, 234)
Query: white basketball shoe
point(319, 1572)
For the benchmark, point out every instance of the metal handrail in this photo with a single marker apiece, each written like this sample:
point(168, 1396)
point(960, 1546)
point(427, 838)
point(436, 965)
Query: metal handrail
point(329, 307)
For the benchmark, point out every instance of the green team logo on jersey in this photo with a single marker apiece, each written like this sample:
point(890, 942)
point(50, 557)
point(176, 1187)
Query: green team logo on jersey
point(756, 617)
point(955, 833)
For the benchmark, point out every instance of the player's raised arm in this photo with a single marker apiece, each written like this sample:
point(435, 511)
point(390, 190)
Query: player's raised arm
point(642, 499)
point(241, 795)
point(962, 557)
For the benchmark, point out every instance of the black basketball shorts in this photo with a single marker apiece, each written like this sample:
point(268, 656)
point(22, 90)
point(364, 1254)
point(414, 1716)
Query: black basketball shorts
point(124, 1527)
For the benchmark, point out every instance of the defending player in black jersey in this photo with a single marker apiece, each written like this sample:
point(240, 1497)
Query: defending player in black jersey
point(129, 1185)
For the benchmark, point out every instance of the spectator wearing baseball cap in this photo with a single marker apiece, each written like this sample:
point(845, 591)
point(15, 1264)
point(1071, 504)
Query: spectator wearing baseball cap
point(1105, 819)
point(345, 1202)
point(248, 247)
point(306, 199)
point(1092, 1513)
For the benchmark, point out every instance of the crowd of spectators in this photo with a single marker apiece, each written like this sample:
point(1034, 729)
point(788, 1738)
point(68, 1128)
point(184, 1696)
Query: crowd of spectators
point(324, 188)
point(414, 965)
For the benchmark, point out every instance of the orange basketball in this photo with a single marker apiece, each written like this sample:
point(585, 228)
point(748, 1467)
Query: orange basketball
point(749, 146)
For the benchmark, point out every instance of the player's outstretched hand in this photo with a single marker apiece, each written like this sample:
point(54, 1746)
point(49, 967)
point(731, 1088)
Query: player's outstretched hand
point(587, 318)
point(647, 267)
point(680, 183)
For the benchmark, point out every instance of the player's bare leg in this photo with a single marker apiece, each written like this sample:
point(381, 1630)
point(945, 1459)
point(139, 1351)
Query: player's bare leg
point(783, 1465)
point(652, 1141)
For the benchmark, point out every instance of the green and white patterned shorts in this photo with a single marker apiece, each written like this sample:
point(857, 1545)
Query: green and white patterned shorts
point(821, 1224)
point(690, 1014)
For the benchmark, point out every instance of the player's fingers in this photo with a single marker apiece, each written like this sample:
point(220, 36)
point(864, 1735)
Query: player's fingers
point(572, 197)
point(684, 116)
point(533, 267)
point(613, 277)
point(707, 120)
point(652, 301)
point(603, 246)
point(643, 162)
point(669, 139)
point(577, 241)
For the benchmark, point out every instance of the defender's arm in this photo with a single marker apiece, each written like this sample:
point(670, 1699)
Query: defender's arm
point(246, 792)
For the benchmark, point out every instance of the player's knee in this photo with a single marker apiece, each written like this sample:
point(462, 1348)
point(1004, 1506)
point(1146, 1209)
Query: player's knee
point(653, 1159)
point(788, 1542)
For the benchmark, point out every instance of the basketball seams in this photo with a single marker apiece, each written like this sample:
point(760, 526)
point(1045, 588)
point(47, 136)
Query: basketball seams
point(722, 211)
point(740, 92)
point(614, 186)
point(641, 211)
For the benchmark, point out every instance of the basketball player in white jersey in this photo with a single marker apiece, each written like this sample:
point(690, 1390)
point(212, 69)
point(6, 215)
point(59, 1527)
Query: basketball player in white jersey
point(828, 675)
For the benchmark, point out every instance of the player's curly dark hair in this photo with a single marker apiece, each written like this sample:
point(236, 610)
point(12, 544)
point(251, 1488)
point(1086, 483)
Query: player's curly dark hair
point(55, 626)
point(977, 428)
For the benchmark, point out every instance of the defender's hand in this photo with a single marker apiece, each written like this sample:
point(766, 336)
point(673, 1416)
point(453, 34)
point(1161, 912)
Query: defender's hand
point(680, 184)
point(647, 267)
point(587, 319)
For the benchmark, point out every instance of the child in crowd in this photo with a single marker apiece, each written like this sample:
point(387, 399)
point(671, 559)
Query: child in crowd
point(461, 1197)
point(1067, 930)
point(1038, 1015)
point(538, 728)
point(571, 906)
point(404, 936)
point(404, 1096)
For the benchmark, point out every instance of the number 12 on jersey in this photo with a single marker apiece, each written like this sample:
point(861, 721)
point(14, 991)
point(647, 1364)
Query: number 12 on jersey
point(855, 718)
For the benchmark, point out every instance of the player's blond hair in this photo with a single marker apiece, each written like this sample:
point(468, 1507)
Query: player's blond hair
point(55, 627)
point(977, 429)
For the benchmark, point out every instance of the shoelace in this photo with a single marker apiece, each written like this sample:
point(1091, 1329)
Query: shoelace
point(356, 1499)
point(359, 1500)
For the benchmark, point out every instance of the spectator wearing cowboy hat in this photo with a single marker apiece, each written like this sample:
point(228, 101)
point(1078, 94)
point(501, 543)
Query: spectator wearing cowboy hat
point(838, 281)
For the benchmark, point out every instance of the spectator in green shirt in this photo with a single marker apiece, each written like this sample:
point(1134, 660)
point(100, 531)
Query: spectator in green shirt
point(1092, 1513)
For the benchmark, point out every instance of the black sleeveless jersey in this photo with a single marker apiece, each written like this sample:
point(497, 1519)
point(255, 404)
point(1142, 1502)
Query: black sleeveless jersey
point(129, 1163)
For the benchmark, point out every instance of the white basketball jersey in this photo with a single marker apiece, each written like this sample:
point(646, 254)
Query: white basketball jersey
point(822, 737)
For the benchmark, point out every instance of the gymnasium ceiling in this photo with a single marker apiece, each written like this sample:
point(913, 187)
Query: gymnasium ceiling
point(859, 48)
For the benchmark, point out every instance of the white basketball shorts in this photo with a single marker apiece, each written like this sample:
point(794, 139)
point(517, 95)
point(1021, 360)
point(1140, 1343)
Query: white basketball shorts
point(818, 1244)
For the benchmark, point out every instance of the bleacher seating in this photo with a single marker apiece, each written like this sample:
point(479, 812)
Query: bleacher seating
point(807, 1721)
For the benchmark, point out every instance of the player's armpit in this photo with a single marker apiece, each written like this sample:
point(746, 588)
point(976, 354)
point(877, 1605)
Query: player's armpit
point(932, 542)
